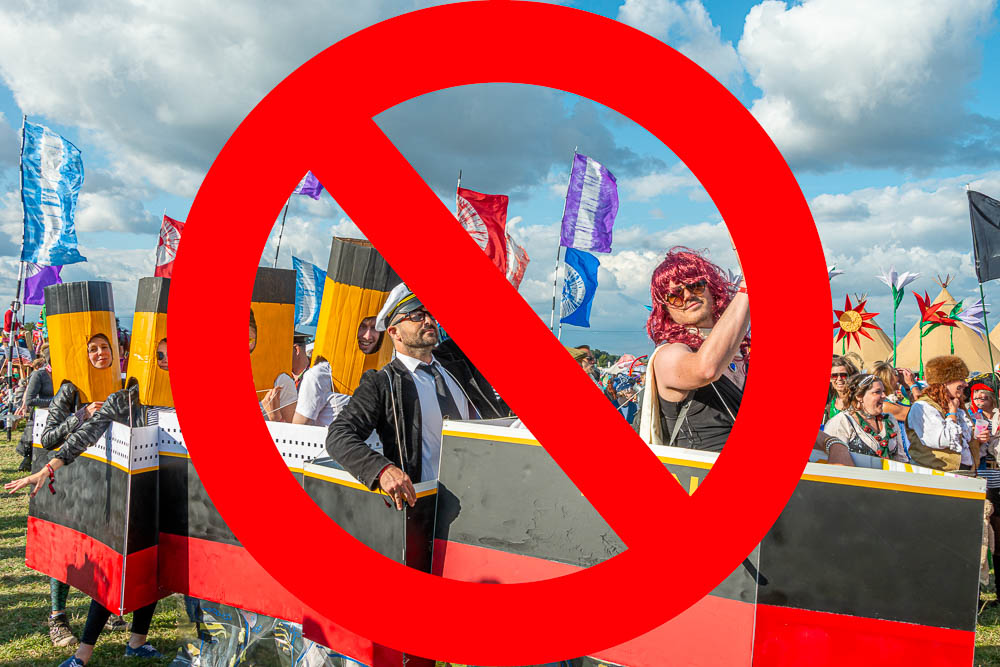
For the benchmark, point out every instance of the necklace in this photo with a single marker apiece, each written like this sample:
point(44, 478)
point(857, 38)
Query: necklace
point(881, 440)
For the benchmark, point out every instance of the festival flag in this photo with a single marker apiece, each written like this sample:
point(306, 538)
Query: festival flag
point(309, 282)
point(579, 287)
point(38, 278)
point(308, 186)
point(517, 262)
point(591, 207)
point(51, 176)
point(484, 217)
point(985, 214)
point(166, 247)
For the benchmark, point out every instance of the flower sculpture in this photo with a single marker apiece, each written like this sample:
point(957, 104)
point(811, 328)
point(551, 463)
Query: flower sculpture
point(853, 320)
point(897, 282)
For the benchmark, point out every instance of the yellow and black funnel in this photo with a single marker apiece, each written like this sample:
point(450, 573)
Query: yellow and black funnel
point(272, 312)
point(357, 284)
point(149, 338)
point(77, 312)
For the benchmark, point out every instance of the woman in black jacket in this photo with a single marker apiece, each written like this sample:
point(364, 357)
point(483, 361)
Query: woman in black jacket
point(123, 407)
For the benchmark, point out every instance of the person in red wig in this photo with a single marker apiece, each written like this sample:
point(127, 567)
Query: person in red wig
point(700, 323)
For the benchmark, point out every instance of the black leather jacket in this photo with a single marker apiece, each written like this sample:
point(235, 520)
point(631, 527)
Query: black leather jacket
point(62, 418)
point(388, 398)
point(122, 406)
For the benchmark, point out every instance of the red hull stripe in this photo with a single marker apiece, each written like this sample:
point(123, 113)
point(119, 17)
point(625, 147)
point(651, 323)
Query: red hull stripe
point(222, 573)
point(91, 566)
point(787, 637)
point(694, 636)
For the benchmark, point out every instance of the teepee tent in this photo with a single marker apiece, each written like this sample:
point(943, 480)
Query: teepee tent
point(968, 345)
point(878, 348)
point(995, 339)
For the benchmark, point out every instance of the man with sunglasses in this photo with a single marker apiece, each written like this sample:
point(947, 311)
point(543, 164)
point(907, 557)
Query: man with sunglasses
point(406, 403)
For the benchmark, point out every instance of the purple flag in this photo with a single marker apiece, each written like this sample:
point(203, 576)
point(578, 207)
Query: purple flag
point(39, 277)
point(308, 186)
point(591, 207)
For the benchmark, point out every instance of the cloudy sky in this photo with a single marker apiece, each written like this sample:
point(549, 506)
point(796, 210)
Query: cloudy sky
point(885, 111)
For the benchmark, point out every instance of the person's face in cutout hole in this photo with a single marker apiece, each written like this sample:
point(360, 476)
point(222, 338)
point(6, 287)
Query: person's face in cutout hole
point(368, 337)
point(99, 351)
point(161, 355)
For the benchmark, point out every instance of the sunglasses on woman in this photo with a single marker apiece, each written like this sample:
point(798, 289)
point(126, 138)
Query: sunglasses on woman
point(839, 376)
point(675, 298)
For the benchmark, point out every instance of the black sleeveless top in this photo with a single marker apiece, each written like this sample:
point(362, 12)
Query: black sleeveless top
point(707, 424)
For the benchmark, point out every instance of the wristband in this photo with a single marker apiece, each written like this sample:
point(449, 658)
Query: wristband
point(52, 478)
point(951, 414)
point(834, 441)
point(743, 290)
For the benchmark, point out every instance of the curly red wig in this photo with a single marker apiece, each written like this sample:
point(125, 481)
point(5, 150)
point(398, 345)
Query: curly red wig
point(684, 265)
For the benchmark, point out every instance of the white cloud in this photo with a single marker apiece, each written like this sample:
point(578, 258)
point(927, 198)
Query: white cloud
point(659, 183)
point(688, 28)
point(870, 83)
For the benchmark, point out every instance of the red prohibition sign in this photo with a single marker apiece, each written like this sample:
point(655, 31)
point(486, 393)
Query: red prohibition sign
point(679, 547)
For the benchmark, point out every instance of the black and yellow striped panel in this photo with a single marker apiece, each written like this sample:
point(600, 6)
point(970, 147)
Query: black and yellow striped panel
point(358, 281)
point(149, 328)
point(101, 500)
point(273, 308)
point(406, 536)
point(76, 313)
point(889, 545)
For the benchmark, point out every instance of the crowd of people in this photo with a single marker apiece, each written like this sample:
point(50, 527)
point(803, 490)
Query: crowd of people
point(388, 431)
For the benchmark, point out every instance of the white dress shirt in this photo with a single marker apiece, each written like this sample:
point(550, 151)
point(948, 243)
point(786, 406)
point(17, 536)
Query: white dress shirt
point(937, 432)
point(430, 413)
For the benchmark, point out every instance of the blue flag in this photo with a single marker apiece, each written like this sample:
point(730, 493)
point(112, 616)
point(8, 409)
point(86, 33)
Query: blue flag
point(51, 176)
point(579, 287)
point(309, 281)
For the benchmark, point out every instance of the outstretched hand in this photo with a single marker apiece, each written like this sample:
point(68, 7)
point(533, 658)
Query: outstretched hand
point(37, 481)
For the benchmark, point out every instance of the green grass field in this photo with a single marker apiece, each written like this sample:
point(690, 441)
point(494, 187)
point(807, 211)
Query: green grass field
point(24, 601)
point(24, 596)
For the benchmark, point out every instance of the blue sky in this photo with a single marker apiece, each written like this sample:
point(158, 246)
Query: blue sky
point(884, 111)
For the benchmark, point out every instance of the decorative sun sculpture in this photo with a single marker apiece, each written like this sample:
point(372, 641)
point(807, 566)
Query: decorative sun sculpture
point(853, 321)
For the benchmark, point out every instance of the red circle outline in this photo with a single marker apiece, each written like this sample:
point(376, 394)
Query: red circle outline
point(678, 551)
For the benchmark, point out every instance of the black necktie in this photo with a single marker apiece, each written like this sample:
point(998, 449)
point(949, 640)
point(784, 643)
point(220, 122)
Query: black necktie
point(447, 404)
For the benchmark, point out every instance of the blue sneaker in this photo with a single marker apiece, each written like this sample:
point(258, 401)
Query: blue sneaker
point(144, 651)
point(72, 661)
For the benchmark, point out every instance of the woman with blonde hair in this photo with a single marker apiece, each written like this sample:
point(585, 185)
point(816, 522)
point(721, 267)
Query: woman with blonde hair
point(863, 425)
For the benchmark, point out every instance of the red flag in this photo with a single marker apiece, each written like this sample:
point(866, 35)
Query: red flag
point(517, 262)
point(484, 217)
point(166, 247)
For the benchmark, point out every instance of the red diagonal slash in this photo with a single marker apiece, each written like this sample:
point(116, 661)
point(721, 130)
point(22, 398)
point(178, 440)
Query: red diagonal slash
point(678, 548)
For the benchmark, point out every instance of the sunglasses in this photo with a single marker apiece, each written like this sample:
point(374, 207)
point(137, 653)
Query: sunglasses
point(867, 381)
point(676, 297)
point(838, 376)
point(417, 316)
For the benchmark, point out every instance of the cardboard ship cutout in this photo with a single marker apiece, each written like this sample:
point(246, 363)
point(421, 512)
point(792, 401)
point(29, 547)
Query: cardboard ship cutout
point(77, 312)
point(358, 282)
point(272, 325)
point(149, 341)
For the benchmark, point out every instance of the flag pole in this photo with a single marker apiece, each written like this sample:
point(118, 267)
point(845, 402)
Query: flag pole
point(555, 282)
point(555, 278)
point(14, 306)
point(281, 231)
point(989, 345)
